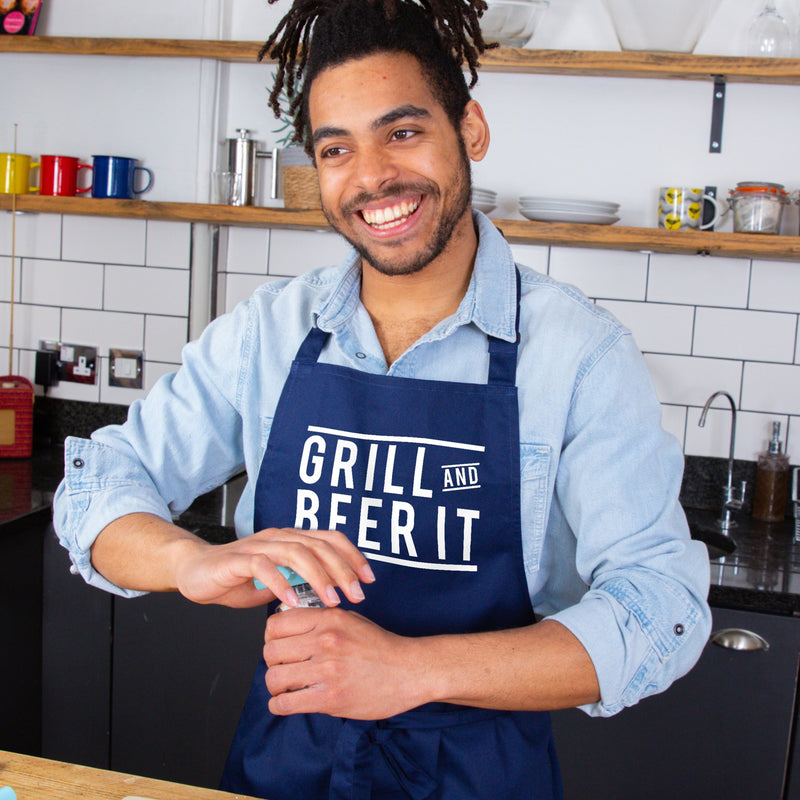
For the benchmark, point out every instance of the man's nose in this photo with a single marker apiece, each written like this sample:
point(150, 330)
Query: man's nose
point(374, 168)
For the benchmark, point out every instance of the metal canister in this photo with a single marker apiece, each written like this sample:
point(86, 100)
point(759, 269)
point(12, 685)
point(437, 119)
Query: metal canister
point(243, 153)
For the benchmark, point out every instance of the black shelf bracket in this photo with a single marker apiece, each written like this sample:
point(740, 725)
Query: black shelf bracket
point(717, 114)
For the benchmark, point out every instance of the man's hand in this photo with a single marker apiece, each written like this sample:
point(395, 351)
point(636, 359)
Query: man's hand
point(337, 662)
point(146, 553)
point(224, 573)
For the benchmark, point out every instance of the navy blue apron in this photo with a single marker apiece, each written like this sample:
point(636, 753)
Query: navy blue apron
point(423, 476)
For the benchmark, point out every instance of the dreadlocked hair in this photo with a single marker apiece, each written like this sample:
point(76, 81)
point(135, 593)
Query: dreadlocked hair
point(442, 35)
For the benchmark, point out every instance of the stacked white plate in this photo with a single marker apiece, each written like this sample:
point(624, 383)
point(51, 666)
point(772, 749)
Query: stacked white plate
point(484, 199)
point(561, 209)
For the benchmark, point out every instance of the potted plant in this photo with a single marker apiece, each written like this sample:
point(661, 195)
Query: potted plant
point(296, 177)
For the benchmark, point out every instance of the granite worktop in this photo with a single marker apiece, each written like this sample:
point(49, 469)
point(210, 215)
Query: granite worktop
point(754, 565)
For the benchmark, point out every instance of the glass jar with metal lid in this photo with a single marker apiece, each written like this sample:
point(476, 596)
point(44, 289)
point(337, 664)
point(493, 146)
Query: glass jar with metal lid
point(758, 206)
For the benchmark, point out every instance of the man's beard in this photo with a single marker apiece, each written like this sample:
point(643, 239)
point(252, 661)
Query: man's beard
point(461, 194)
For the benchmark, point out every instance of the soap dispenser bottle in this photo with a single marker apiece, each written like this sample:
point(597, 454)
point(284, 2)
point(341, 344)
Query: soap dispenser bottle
point(772, 481)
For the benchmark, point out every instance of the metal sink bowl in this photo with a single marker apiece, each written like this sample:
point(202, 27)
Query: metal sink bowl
point(704, 528)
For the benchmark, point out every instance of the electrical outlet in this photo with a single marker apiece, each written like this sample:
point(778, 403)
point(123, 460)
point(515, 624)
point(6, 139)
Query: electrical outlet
point(125, 368)
point(77, 363)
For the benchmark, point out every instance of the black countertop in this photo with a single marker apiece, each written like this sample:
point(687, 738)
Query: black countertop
point(755, 567)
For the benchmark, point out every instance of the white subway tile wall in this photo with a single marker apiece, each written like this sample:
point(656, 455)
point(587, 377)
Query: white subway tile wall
point(102, 282)
point(703, 323)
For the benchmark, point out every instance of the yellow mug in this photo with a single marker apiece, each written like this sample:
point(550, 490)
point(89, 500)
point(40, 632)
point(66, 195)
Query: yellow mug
point(15, 173)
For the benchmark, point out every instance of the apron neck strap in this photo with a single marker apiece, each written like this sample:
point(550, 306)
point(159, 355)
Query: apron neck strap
point(312, 345)
point(503, 354)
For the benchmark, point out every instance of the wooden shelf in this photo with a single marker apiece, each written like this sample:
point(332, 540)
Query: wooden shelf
point(630, 64)
point(604, 237)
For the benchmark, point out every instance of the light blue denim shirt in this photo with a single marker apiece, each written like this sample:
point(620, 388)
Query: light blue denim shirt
point(605, 542)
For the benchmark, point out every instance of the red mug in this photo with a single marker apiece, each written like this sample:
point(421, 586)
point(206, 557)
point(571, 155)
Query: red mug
point(58, 175)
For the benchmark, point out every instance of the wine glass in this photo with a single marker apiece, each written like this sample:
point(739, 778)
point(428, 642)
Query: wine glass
point(769, 34)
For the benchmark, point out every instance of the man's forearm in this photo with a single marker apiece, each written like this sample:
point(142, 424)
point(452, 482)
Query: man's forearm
point(339, 663)
point(140, 552)
point(539, 668)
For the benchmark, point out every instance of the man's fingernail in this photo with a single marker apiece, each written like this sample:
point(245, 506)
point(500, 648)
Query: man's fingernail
point(366, 573)
point(332, 595)
point(356, 591)
point(291, 598)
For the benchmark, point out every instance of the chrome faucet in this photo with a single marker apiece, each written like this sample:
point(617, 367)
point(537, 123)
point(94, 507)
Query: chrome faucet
point(729, 502)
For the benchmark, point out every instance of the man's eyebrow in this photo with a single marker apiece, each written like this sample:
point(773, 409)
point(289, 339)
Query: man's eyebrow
point(327, 132)
point(401, 112)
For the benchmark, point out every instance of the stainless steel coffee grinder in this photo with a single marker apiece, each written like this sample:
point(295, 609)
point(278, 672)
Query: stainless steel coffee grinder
point(242, 159)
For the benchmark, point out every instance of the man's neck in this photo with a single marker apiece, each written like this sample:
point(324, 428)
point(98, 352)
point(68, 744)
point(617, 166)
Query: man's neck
point(405, 307)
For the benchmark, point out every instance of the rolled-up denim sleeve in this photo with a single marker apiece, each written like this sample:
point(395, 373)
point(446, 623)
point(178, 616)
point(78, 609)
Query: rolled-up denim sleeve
point(645, 618)
point(100, 485)
point(182, 440)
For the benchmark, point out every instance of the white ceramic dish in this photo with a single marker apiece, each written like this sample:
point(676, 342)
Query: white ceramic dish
point(512, 22)
point(557, 215)
point(567, 204)
point(485, 207)
point(673, 26)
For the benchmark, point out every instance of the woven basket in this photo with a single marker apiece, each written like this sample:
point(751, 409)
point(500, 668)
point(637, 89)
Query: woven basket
point(300, 188)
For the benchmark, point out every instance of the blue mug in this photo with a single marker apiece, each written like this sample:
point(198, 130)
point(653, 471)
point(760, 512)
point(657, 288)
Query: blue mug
point(115, 176)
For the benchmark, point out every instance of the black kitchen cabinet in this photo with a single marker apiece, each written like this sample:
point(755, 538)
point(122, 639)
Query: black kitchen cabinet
point(723, 730)
point(151, 686)
point(21, 631)
point(76, 663)
point(181, 673)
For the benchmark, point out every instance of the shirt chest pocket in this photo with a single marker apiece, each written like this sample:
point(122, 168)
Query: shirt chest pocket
point(534, 500)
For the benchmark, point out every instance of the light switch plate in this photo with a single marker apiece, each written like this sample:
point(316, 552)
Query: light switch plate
point(125, 368)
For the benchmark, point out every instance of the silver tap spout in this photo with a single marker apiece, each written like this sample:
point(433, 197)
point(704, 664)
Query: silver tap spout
point(729, 502)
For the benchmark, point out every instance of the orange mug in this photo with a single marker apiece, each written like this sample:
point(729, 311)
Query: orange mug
point(15, 173)
point(58, 176)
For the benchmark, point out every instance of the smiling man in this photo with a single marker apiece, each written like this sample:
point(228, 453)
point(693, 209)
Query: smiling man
point(463, 457)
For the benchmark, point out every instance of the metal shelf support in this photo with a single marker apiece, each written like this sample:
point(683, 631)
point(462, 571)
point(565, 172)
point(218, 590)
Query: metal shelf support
point(717, 114)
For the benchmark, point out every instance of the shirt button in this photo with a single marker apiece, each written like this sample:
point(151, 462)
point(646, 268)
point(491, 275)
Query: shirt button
point(361, 355)
point(77, 463)
point(678, 629)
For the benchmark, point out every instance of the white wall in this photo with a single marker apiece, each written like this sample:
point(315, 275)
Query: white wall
point(703, 323)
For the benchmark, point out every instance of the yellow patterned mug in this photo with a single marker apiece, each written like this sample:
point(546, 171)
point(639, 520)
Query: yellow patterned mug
point(681, 207)
point(15, 173)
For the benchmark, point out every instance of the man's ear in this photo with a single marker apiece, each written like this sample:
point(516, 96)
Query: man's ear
point(475, 131)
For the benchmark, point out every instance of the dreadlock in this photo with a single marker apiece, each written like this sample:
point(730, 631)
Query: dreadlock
point(441, 34)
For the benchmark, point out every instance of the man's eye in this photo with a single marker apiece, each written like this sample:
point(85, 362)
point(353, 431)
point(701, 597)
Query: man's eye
point(402, 134)
point(332, 152)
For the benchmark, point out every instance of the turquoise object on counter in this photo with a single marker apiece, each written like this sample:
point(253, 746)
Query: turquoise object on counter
point(7, 793)
point(290, 575)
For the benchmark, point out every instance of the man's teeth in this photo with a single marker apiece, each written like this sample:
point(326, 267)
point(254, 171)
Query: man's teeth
point(390, 217)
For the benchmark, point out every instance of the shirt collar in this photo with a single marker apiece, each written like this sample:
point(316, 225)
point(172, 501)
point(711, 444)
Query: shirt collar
point(490, 302)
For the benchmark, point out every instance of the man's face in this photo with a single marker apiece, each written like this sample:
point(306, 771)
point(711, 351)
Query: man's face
point(394, 174)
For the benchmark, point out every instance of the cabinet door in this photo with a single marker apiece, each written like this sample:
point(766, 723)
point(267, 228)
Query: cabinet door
point(181, 673)
point(723, 730)
point(76, 663)
point(21, 633)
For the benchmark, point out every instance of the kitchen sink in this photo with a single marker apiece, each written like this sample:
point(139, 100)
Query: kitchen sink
point(703, 527)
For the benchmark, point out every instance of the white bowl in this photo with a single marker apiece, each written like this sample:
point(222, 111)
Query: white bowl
point(512, 22)
point(666, 25)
